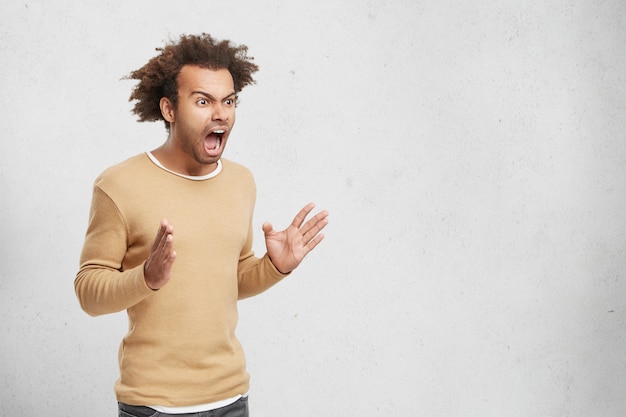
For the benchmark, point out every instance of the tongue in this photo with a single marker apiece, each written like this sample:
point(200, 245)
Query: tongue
point(212, 144)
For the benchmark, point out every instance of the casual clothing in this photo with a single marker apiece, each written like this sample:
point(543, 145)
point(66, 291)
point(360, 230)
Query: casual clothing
point(197, 408)
point(236, 409)
point(181, 347)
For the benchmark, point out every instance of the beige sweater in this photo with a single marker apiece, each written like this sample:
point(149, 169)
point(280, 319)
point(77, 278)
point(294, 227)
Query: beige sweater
point(181, 347)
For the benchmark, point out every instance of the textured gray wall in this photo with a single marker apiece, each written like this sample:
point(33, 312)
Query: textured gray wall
point(472, 156)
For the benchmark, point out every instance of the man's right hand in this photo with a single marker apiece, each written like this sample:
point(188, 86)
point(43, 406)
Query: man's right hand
point(158, 266)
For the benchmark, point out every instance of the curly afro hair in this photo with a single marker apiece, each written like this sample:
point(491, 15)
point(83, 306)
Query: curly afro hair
point(158, 77)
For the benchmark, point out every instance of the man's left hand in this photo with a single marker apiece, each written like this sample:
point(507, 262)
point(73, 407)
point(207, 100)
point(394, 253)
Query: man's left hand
point(288, 248)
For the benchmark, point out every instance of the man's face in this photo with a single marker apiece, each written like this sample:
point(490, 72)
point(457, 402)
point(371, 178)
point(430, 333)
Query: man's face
point(203, 119)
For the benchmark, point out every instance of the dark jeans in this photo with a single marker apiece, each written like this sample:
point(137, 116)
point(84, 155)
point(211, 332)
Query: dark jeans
point(237, 409)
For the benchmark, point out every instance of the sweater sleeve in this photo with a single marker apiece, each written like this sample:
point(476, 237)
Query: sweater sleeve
point(255, 275)
point(101, 285)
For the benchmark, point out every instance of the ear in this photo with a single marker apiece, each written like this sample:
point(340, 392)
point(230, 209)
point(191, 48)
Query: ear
point(167, 109)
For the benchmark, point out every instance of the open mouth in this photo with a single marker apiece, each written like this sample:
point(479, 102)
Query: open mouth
point(213, 141)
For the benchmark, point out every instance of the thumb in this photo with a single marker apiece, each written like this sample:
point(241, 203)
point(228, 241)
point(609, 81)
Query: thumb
point(267, 228)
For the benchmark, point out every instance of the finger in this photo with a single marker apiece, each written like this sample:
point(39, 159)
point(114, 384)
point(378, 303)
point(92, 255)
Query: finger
point(164, 229)
point(157, 239)
point(167, 263)
point(313, 233)
point(313, 243)
point(315, 224)
point(299, 219)
point(167, 248)
point(161, 240)
point(161, 247)
point(267, 228)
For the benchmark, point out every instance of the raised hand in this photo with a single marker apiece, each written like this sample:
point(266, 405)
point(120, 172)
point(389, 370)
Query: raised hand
point(288, 248)
point(158, 267)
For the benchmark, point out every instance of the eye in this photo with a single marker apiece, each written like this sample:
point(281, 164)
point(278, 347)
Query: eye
point(231, 101)
point(202, 101)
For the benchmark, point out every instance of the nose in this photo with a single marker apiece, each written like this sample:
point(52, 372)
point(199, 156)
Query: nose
point(219, 112)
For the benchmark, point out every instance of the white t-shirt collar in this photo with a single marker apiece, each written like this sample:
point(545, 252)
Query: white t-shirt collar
point(189, 177)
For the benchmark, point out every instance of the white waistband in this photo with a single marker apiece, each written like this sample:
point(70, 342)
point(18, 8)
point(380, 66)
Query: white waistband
point(197, 408)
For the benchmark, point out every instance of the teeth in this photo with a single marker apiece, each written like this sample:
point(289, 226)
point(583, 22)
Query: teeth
point(218, 132)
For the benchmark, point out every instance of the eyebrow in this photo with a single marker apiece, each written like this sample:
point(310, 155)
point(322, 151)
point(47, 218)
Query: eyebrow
point(209, 96)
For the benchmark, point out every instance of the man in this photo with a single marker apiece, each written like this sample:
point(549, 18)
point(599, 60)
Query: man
point(180, 285)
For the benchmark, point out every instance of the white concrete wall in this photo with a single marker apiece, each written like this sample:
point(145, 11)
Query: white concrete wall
point(472, 156)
